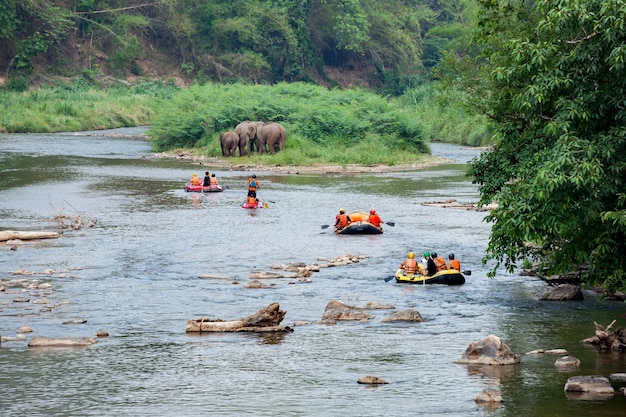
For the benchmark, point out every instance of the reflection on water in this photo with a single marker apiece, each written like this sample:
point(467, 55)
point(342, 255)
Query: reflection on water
point(136, 276)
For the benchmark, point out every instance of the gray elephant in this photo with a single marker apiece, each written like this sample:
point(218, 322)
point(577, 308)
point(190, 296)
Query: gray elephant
point(229, 142)
point(268, 135)
point(246, 132)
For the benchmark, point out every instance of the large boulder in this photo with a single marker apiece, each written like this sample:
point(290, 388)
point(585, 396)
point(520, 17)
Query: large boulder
point(489, 351)
point(567, 362)
point(337, 310)
point(589, 387)
point(409, 315)
point(563, 292)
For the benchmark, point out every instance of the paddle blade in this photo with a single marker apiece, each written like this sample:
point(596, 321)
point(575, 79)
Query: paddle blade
point(265, 205)
point(467, 272)
point(389, 278)
point(325, 226)
point(391, 223)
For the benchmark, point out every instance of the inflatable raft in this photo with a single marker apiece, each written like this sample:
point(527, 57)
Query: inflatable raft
point(359, 225)
point(447, 277)
point(258, 205)
point(203, 189)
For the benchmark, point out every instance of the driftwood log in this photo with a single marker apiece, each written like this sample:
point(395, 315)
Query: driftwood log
point(14, 234)
point(265, 320)
point(607, 339)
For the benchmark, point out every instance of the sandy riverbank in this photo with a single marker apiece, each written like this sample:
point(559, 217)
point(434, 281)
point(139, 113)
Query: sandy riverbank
point(238, 164)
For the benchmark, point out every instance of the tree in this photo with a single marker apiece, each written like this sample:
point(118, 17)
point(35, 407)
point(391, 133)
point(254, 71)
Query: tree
point(555, 76)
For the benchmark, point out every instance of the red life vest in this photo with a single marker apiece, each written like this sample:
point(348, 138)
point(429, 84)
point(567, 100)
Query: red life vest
point(375, 220)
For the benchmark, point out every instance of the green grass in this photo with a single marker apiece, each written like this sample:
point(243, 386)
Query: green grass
point(74, 107)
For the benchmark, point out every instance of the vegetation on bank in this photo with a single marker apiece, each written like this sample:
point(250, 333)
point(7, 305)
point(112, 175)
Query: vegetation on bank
point(388, 45)
point(76, 106)
point(327, 126)
point(552, 81)
point(324, 125)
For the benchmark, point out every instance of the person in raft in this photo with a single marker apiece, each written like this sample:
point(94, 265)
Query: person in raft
point(430, 268)
point(207, 179)
point(253, 185)
point(213, 181)
point(454, 263)
point(195, 180)
point(409, 265)
point(251, 201)
point(440, 263)
point(375, 219)
point(341, 220)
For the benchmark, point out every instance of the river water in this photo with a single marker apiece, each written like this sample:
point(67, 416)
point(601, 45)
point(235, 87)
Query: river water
point(137, 275)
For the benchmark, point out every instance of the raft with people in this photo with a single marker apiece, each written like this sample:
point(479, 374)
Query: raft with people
point(432, 270)
point(253, 203)
point(359, 224)
point(203, 188)
point(446, 276)
point(208, 184)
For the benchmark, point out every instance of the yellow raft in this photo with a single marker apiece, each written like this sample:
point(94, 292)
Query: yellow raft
point(447, 277)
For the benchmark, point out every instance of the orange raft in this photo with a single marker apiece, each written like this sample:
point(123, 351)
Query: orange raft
point(359, 225)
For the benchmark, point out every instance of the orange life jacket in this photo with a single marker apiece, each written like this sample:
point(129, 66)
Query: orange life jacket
point(455, 264)
point(342, 220)
point(375, 220)
point(195, 180)
point(410, 265)
point(213, 181)
point(440, 263)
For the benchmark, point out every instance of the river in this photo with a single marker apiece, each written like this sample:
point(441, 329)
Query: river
point(136, 275)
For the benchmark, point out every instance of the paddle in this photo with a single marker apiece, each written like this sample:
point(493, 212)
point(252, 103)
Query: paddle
point(325, 226)
point(391, 223)
point(389, 278)
point(467, 272)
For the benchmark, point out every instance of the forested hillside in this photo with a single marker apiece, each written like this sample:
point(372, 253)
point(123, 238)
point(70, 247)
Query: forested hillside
point(388, 45)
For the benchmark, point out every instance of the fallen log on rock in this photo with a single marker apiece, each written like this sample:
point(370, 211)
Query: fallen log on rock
point(15, 234)
point(265, 320)
point(466, 206)
point(607, 339)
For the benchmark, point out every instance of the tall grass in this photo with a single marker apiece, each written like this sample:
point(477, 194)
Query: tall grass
point(74, 107)
point(444, 118)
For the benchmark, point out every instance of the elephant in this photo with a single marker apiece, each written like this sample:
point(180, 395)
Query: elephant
point(229, 142)
point(268, 135)
point(246, 131)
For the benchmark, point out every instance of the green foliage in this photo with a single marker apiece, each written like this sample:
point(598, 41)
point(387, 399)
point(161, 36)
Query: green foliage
point(18, 84)
point(557, 170)
point(8, 19)
point(443, 116)
point(28, 49)
point(259, 41)
point(313, 115)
